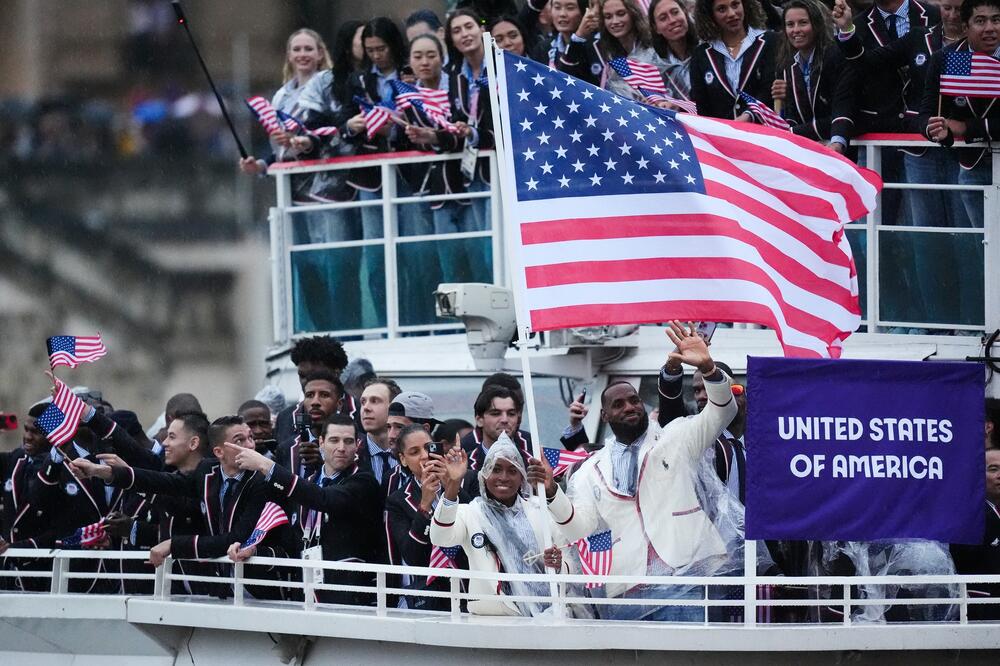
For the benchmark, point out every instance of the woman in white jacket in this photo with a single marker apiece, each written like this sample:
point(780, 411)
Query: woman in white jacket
point(501, 530)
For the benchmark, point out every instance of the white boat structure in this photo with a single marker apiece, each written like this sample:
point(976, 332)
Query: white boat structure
point(447, 358)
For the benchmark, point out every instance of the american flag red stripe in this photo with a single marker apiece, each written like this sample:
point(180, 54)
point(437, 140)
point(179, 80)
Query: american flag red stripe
point(71, 350)
point(968, 74)
point(61, 418)
point(270, 517)
point(758, 236)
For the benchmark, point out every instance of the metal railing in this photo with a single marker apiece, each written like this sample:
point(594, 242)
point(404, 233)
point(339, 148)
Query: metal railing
point(889, 247)
point(909, 242)
point(742, 592)
point(390, 243)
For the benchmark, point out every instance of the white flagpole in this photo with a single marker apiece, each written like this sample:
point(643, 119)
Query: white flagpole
point(501, 133)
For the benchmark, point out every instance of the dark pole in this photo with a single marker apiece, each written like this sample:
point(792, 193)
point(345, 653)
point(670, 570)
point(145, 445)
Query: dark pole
point(222, 105)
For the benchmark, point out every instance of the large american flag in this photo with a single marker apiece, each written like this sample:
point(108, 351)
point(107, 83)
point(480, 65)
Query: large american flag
point(72, 350)
point(968, 74)
point(561, 460)
point(647, 80)
point(62, 417)
point(626, 213)
point(443, 557)
point(88, 535)
point(272, 516)
point(595, 555)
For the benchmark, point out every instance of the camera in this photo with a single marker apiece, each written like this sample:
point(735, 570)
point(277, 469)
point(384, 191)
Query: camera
point(8, 421)
point(434, 448)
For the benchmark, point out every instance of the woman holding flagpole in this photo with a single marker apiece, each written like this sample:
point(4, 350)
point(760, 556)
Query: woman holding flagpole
point(737, 57)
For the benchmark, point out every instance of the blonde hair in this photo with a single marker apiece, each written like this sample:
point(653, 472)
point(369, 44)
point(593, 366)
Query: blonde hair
point(324, 53)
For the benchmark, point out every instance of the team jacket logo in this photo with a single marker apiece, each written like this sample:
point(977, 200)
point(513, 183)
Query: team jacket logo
point(72, 489)
point(709, 77)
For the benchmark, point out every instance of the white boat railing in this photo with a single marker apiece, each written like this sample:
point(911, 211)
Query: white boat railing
point(889, 252)
point(744, 592)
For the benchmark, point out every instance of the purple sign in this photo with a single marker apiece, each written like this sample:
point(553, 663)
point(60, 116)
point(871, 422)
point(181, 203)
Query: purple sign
point(864, 450)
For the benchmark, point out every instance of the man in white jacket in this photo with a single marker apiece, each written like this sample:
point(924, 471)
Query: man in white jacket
point(641, 486)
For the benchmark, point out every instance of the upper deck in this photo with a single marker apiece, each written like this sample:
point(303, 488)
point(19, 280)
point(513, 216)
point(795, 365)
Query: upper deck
point(366, 271)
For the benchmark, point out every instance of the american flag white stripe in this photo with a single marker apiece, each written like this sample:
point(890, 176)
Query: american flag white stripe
point(755, 232)
point(71, 350)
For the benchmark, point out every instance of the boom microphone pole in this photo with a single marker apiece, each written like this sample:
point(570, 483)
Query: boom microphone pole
point(222, 105)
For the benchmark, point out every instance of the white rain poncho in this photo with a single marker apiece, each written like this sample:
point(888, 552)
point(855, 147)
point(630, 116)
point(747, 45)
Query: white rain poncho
point(508, 529)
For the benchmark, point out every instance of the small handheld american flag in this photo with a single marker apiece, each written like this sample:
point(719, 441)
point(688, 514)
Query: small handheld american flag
point(376, 115)
point(272, 516)
point(560, 460)
point(763, 113)
point(62, 417)
point(595, 555)
point(88, 535)
point(968, 74)
point(264, 113)
point(293, 124)
point(433, 104)
point(443, 557)
point(647, 80)
point(72, 350)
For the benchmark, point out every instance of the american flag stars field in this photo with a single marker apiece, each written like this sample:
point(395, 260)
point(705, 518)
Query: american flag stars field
point(564, 139)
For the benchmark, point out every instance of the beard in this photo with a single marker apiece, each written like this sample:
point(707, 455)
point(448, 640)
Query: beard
point(627, 433)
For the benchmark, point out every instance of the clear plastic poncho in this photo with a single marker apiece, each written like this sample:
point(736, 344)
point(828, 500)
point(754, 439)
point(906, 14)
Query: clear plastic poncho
point(508, 529)
point(898, 558)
